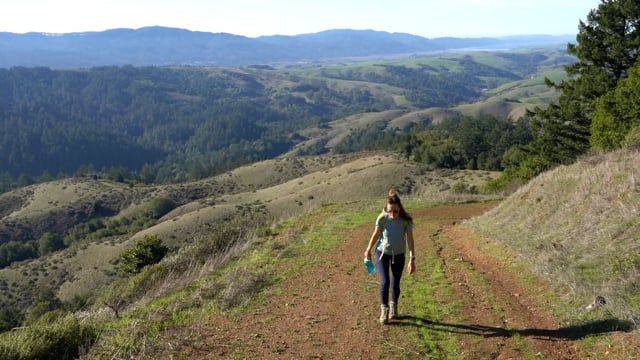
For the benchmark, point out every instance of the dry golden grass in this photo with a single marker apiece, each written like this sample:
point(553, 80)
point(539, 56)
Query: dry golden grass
point(500, 108)
point(364, 177)
point(282, 188)
point(41, 199)
point(579, 225)
point(334, 132)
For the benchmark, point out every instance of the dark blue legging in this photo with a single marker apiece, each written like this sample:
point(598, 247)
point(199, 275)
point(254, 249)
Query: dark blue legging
point(396, 263)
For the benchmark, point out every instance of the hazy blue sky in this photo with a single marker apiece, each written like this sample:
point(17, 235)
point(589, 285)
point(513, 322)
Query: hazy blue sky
point(428, 18)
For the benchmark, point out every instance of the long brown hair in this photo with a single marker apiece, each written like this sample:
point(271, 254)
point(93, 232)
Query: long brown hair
point(394, 199)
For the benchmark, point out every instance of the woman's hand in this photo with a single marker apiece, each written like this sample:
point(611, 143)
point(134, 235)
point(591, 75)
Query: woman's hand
point(367, 254)
point(412, 265)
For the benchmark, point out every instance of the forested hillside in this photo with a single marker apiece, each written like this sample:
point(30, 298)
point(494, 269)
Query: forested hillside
point(188, 123)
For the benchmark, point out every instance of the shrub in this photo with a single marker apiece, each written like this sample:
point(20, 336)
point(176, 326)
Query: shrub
point(64, 338)
point(146, 251)
point(158, 207)
point(49, 242)
point(13, 251)
point(10, 317)
point(632, 140)
point(461, 187)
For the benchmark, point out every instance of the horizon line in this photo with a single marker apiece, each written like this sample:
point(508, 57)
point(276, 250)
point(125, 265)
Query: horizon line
point(49, 33)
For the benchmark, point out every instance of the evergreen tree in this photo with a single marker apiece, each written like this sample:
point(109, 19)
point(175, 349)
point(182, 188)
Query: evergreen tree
point(607, 46)
point(617, 113)
point(49, 242)
point(146, 251)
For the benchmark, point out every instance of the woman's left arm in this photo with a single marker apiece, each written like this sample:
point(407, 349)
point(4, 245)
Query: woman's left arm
point(412, 254)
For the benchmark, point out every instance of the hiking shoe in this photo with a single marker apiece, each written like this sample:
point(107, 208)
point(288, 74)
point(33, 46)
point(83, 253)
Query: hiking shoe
point(384, 314)
point(393, 310)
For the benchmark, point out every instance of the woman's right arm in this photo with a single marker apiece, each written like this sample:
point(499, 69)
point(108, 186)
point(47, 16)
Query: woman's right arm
point(372, 241)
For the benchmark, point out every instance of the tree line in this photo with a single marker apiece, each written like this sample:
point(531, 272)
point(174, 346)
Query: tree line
point(458, 142)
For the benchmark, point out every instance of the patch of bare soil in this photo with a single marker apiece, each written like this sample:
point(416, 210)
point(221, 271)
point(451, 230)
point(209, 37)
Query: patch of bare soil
point(332, 312)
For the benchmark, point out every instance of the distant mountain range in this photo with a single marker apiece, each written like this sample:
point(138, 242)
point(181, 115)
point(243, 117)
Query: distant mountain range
point(162, 46)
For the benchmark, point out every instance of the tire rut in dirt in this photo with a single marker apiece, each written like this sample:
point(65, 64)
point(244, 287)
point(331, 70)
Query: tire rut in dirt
point(501, 320)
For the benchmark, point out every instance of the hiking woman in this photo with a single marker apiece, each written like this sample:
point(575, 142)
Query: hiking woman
point(393, 226)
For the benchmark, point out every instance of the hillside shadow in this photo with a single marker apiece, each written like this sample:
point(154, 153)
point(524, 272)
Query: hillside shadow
point(575, 332)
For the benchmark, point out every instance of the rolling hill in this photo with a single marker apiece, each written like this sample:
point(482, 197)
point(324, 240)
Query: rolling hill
point(186, 123)
point(280, 189)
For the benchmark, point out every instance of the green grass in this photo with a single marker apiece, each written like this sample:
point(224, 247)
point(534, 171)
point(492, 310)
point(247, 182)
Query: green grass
point(62, 338)
point(240, 285)
point(491, 59)
point(432, 341)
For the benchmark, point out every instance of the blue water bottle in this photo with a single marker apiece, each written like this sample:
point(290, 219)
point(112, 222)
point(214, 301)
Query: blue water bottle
point(369, 265)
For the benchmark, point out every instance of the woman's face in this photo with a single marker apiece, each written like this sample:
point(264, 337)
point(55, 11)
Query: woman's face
point(393, 210)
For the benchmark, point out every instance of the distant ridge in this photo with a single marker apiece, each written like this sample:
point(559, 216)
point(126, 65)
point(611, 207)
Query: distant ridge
point(163, 46)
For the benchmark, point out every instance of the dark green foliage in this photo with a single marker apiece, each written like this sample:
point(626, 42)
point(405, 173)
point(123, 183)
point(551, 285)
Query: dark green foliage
point(45, 301)
point(608, 42)
point(429, 87)
point(485, 139)
point(617, 113)
point(362, 139)
point(49, 243)
point(607, 47)
point(10, 317)
point(463, 142)
point(82, 231)
point(456, 143)
point(61, 121)
point(99, 209)
point(438, 149)
point(158, 207)
point(561, 131)
point(56, 339)
point(16, 251)
point(146, 251)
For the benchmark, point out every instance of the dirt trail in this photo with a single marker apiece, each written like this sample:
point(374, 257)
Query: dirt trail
point(331, 313)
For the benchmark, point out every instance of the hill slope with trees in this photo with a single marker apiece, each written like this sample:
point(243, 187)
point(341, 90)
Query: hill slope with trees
point(590, 112)
point(190, 123)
